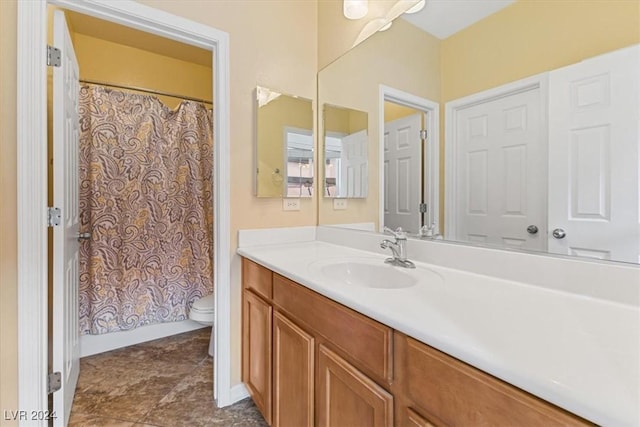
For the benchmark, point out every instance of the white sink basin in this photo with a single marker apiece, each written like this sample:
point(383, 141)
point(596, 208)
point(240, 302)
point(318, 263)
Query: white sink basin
point(368, 275)
point(371, 273)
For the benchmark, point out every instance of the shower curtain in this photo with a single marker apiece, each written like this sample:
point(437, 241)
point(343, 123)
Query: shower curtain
point(146, 196)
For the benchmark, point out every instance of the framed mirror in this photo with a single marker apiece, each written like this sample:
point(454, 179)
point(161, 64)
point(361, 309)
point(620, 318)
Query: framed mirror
point(284, 145)
point(346, 163)
point(518, 147)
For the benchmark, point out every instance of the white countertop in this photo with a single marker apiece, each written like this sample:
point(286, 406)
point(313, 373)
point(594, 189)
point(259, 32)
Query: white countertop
point(580, 353)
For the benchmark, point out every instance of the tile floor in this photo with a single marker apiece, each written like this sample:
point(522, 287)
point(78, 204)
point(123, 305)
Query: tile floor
point(164, 383)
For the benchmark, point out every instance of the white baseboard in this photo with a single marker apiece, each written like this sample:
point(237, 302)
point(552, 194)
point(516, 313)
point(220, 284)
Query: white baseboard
point(94, 344)
point(238, 393)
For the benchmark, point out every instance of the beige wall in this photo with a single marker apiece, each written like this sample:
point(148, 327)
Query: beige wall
point(530, 37)
point(262, 52)
point(353, 80)
point(116, 63)
point(393, 111)
point(8, 215)
point(273, 118)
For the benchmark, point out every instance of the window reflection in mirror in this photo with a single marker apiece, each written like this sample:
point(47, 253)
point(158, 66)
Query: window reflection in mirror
point(345, 152)
point(284, 145)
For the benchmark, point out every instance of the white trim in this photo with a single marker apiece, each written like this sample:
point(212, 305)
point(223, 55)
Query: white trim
point(432, 153)
point(239, 392)
point(32, 201)
point(32, 181)
point(538, 81)
point(96, 344)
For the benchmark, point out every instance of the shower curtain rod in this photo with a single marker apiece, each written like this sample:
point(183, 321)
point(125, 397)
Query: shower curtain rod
point(141, 89)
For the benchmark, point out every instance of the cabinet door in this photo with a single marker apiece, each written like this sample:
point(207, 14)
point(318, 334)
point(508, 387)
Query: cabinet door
point(346, 397)
point(256, 351)
point(293, 374)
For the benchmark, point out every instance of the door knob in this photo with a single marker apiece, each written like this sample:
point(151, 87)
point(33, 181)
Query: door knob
point(84, 236)
point(559, 233)
point(532, 229)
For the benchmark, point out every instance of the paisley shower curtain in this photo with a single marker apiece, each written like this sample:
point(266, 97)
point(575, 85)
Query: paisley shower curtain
point(146, 196)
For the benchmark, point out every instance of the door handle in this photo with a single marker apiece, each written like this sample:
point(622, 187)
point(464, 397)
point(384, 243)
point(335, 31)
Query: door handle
point(532, 229)
point(558, 233)
point(84, 236)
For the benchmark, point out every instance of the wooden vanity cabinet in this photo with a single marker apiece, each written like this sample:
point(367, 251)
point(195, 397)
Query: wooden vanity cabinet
point(308, 360)
point(437, 389)
point(256, 335)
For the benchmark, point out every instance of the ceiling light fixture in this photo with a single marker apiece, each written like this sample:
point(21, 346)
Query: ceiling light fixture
point(355, 9)
point(417, 7)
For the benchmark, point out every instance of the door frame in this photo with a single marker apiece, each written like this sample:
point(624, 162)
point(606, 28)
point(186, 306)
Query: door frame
point(32, 183)
point(538, 81)
point(431, 110)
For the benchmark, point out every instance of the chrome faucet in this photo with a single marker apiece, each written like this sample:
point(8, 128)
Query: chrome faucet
point(398, 248)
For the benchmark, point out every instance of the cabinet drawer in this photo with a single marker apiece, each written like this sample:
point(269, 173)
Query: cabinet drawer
point(257, 278)
point(366, 341)
point(459, 395)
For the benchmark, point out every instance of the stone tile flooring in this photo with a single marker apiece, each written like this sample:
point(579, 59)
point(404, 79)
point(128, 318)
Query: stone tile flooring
point(163, 383)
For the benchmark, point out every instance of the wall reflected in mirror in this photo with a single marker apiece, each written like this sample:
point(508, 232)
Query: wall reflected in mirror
point(284, 145)
point(345, 152)
point(541, 76)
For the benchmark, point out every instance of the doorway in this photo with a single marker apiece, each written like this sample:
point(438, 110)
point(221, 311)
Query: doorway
point(409, 162)
point(32, 181)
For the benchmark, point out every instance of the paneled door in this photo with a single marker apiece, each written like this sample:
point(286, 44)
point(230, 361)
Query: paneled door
point(354, 165)
point(500, 187)
point(403, 173)
point(593, 157)
point(66, 340)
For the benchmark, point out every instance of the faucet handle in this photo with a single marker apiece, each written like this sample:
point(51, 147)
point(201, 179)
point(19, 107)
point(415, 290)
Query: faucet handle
point(398, 233)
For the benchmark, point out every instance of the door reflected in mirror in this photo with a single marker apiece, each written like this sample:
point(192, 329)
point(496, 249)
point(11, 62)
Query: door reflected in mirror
point(284, 145)
point(346, 143)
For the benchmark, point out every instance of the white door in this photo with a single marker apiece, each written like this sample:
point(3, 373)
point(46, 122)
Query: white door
point(403, 173)
point(354, 165)
point(501, 164)
point(66, 348)
point(593, 157)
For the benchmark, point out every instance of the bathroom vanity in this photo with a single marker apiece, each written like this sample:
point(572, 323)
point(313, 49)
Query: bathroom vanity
point(428, 346)
point(308, 358)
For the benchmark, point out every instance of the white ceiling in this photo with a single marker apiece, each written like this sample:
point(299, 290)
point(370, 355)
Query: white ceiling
point(443, 18)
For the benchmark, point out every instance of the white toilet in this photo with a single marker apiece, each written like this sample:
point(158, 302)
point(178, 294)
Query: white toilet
point(202, 310)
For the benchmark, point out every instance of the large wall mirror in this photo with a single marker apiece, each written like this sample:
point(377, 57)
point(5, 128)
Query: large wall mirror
point(513, 126)
point(284, 145)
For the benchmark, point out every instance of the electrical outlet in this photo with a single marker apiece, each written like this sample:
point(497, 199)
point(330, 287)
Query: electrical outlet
point(339, 204)
point(290, 204)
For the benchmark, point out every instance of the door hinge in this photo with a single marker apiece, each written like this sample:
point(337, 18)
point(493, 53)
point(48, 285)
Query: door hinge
point(423, 134)
point(54, 56)
point(423, 208)
point(54, 382)
point(53, 216)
